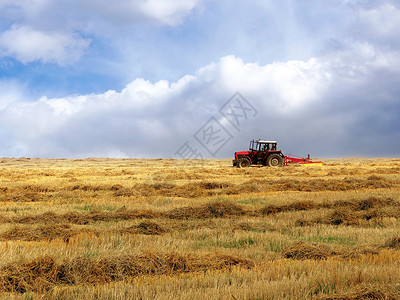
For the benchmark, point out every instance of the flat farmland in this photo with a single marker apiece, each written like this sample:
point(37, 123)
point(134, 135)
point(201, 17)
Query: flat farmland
point(199, 229)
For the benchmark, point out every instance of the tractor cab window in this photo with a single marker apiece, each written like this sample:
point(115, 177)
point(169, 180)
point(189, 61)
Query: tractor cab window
point(266, 147)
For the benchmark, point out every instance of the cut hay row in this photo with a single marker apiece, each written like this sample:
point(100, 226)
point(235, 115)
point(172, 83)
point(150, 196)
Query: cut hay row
point(81, 218)
point(42, 232)
point(345, 212)
point(34, 193)
point(48, 232)
point(44, 273)
point(351, 218)
point(381, 292)
point(298, 250)
point(210, 210)
point(302, 250)
point(353, 205)
point(371, 211)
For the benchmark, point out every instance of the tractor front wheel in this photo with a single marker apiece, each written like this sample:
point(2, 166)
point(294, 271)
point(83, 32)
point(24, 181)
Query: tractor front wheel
point(275, 160)
point(244, 162)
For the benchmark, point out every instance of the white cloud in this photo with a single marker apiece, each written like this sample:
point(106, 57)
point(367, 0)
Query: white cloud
point(382, 21)
point(292, 83)
point(27, 45)
point(11, 92)
point(297, 102)
point(167, 11)
point(51, 31)
point(73, 13)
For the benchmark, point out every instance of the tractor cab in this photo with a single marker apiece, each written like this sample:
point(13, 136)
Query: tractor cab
point(262, 146)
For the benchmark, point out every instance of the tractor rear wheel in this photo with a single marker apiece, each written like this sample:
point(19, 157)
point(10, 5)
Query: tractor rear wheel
point(244, 162)
point(275, 160)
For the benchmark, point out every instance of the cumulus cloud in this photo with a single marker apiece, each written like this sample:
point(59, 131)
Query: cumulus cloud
point(27, 45)
point(53, 31)
point(298, 103)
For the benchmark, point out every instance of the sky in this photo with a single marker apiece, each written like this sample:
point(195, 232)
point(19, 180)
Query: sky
point(199, 78)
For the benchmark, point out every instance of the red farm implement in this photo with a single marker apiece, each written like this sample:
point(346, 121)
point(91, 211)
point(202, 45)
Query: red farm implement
point(293, 159)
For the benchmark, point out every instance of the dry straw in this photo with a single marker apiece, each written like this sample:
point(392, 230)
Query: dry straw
point(43, 273)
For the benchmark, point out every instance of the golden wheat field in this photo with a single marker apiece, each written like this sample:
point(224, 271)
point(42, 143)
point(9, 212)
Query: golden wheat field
point(199, 229)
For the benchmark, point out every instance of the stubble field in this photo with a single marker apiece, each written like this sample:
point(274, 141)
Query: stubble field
point(176, 229)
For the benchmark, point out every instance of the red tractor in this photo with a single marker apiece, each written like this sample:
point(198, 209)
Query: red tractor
point(260, 153)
